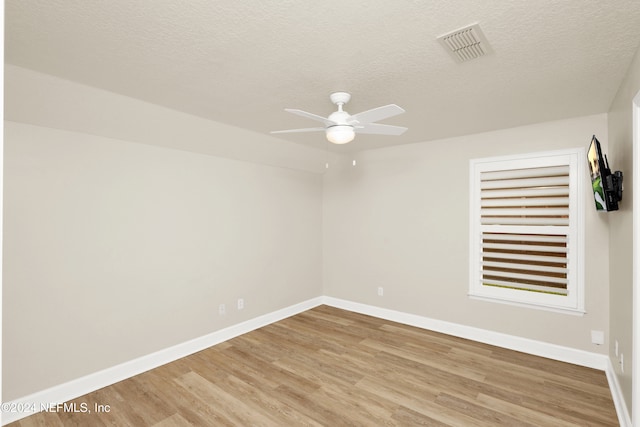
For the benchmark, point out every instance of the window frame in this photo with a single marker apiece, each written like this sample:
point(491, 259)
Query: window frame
point(573, 302)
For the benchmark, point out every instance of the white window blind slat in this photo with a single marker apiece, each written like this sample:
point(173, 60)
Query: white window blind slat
point(524, 221)
point(526, 173)
point(526, 182)
point(555, 238)
point(524, 202)
point(525, 211)
point(525, 192)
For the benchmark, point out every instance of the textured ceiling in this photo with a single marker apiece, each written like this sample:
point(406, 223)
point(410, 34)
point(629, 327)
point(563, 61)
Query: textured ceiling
point(243, 62)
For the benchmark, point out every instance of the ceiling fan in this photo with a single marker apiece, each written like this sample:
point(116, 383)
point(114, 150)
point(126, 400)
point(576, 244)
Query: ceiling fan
point(341, 127)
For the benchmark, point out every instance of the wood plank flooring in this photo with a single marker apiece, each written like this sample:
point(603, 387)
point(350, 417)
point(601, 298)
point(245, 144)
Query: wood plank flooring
point(329, 367)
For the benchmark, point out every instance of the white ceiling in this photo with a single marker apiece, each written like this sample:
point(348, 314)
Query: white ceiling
point(243, 62)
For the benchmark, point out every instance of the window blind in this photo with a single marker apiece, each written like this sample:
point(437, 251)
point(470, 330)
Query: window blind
point(524, 225)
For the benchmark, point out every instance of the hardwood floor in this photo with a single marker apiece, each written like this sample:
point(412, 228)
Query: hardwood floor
point(329, 367)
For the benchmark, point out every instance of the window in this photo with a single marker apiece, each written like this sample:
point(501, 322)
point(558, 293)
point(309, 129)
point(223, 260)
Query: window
point(526, 243)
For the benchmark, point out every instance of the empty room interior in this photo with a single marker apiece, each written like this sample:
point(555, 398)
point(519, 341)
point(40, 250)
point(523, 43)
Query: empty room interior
point(320, 213)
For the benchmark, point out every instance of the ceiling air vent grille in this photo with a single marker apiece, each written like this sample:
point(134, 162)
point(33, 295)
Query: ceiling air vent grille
point(466, 43)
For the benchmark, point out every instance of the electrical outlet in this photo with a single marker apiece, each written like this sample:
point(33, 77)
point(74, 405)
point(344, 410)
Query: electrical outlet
point(240, 303)
point(597, 337)
point(222, 309)
point(380, 291)
point(617, 349)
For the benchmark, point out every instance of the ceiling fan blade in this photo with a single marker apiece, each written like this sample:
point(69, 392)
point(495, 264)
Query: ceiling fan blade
point(311, 116)
point(379, 113)
point(298, 130)
point(380, 129)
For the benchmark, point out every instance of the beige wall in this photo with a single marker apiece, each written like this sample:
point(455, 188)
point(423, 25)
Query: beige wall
point(399, 220)
point(114, 249)
point(620, 156)
point(41, 99)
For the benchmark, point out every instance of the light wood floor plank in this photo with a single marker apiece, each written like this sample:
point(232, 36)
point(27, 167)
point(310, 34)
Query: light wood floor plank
point(176, 420)
point(525, 414)
point(479, 412)
point(330, 367)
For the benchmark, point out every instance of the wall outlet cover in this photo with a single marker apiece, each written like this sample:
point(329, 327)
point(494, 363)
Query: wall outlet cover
point(597, 337)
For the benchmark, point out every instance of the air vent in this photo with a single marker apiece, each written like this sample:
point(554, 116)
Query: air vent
point(466, 43)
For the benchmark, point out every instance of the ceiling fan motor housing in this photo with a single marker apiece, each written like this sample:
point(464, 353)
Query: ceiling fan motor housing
point(340, 117)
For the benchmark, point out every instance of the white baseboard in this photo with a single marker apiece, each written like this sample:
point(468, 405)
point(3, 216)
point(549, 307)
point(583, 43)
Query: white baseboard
point(25, 406)
point(81, 386)
point(624, 418)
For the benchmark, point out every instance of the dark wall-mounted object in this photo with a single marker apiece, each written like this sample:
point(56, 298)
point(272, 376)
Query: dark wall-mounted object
point(607, 186)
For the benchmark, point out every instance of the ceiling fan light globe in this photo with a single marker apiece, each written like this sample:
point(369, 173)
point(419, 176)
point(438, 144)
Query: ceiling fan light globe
point(340, 134)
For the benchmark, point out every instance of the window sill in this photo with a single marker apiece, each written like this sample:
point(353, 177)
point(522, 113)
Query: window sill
point(555, 309)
